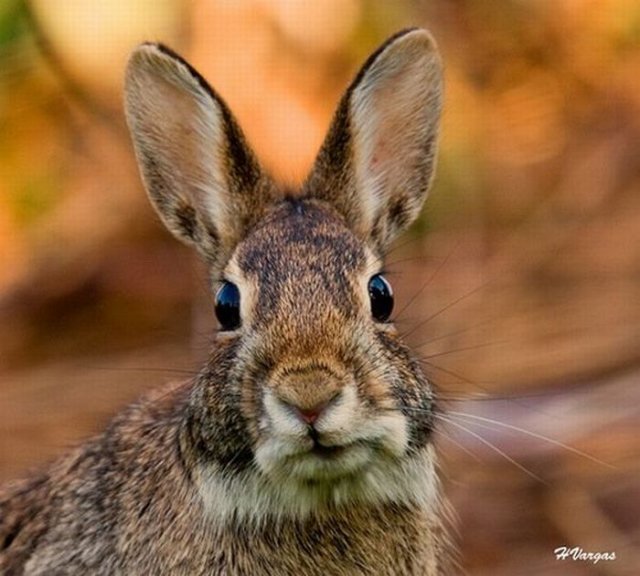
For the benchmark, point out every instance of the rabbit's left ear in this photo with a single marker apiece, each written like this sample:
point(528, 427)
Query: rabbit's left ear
point(377, 162)
point(200, 174)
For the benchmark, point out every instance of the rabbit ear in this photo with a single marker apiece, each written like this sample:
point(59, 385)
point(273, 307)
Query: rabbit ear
point(201, 176)
point(377, 162)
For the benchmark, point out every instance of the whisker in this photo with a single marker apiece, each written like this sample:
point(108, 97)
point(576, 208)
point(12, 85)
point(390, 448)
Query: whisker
point(457, 375)
point(430, 279)
point(458, 445)
point(445, 308)
point(143, 369)
point(401, 245)
point(490, 396)
point(504, 425)
point(463, 349)
point(463, 398)
point(487, 394)
point(175, 388)
point(493, 447)
point(393, 263)
point(456, 332)
point(494, 425)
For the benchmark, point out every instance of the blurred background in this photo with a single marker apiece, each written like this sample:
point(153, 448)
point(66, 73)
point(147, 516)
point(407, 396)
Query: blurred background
point(519, 286)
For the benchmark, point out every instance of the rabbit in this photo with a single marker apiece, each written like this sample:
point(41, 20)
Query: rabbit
point(304, 445)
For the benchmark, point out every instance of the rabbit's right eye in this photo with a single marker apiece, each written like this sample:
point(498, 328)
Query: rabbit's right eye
point(228, 306)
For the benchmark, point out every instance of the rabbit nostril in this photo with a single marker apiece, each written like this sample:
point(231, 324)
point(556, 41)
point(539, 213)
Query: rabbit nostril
point(310, 415)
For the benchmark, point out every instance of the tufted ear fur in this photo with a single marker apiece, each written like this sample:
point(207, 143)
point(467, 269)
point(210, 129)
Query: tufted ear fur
point(201, 176)
point(377, 162)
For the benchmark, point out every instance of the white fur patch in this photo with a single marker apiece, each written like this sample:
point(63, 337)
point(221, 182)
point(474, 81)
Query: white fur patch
point(254, 497)
point(369, 467)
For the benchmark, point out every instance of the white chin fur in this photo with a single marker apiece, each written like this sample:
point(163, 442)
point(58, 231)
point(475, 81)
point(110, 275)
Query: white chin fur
point(288, 481)
point(255, 497)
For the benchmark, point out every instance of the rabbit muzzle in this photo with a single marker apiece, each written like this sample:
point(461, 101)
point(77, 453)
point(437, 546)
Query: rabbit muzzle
point(316, 428)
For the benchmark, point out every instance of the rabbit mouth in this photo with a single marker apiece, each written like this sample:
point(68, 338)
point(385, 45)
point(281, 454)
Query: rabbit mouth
point(327, 452)
point(326, 464)
point(336, 453)
point(313, 460)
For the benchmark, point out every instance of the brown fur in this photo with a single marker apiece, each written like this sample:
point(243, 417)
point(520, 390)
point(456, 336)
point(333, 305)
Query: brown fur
point(218, 475)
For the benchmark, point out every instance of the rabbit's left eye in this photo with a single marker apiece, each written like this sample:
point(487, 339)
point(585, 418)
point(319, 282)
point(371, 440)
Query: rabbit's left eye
point(228, 306)
point(381, 297)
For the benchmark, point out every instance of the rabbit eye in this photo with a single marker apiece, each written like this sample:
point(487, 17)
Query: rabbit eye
point(228, 306)
point(381, 296)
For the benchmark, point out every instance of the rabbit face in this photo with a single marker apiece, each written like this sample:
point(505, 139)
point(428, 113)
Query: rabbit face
point(333, 408)
point(323, 387)
point(308, 401)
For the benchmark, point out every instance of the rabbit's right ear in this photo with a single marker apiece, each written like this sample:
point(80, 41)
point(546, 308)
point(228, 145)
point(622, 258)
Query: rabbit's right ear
point(200, 174)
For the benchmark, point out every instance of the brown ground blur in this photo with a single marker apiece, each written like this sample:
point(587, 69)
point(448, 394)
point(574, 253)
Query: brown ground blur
point(521, 281)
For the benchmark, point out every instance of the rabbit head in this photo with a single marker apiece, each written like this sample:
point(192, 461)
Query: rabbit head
point(309, 401)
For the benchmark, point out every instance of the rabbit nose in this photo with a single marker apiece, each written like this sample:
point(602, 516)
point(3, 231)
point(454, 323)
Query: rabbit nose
point(309, 415)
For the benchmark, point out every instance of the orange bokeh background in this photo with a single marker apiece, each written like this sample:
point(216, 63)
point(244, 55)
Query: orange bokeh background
point(520, 282)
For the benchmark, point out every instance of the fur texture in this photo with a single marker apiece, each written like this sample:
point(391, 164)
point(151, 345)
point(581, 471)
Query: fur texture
point(303, 446)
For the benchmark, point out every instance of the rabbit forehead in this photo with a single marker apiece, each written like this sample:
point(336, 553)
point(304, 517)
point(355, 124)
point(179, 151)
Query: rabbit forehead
point(300, 228)
point(303, 250)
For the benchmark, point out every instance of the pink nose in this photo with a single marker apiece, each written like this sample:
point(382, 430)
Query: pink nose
point(308, 403)
point(310, 415)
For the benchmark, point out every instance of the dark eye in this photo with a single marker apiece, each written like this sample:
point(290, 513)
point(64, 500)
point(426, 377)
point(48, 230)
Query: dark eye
point(228, 306)
point(381, 297)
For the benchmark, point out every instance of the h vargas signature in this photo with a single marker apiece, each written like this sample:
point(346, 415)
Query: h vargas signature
point(578, 554)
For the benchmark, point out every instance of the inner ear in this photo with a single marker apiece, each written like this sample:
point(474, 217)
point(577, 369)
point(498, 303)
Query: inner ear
point(378, 160)
point(201, 176)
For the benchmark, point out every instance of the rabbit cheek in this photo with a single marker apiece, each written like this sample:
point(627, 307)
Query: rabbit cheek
point(412, 395)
